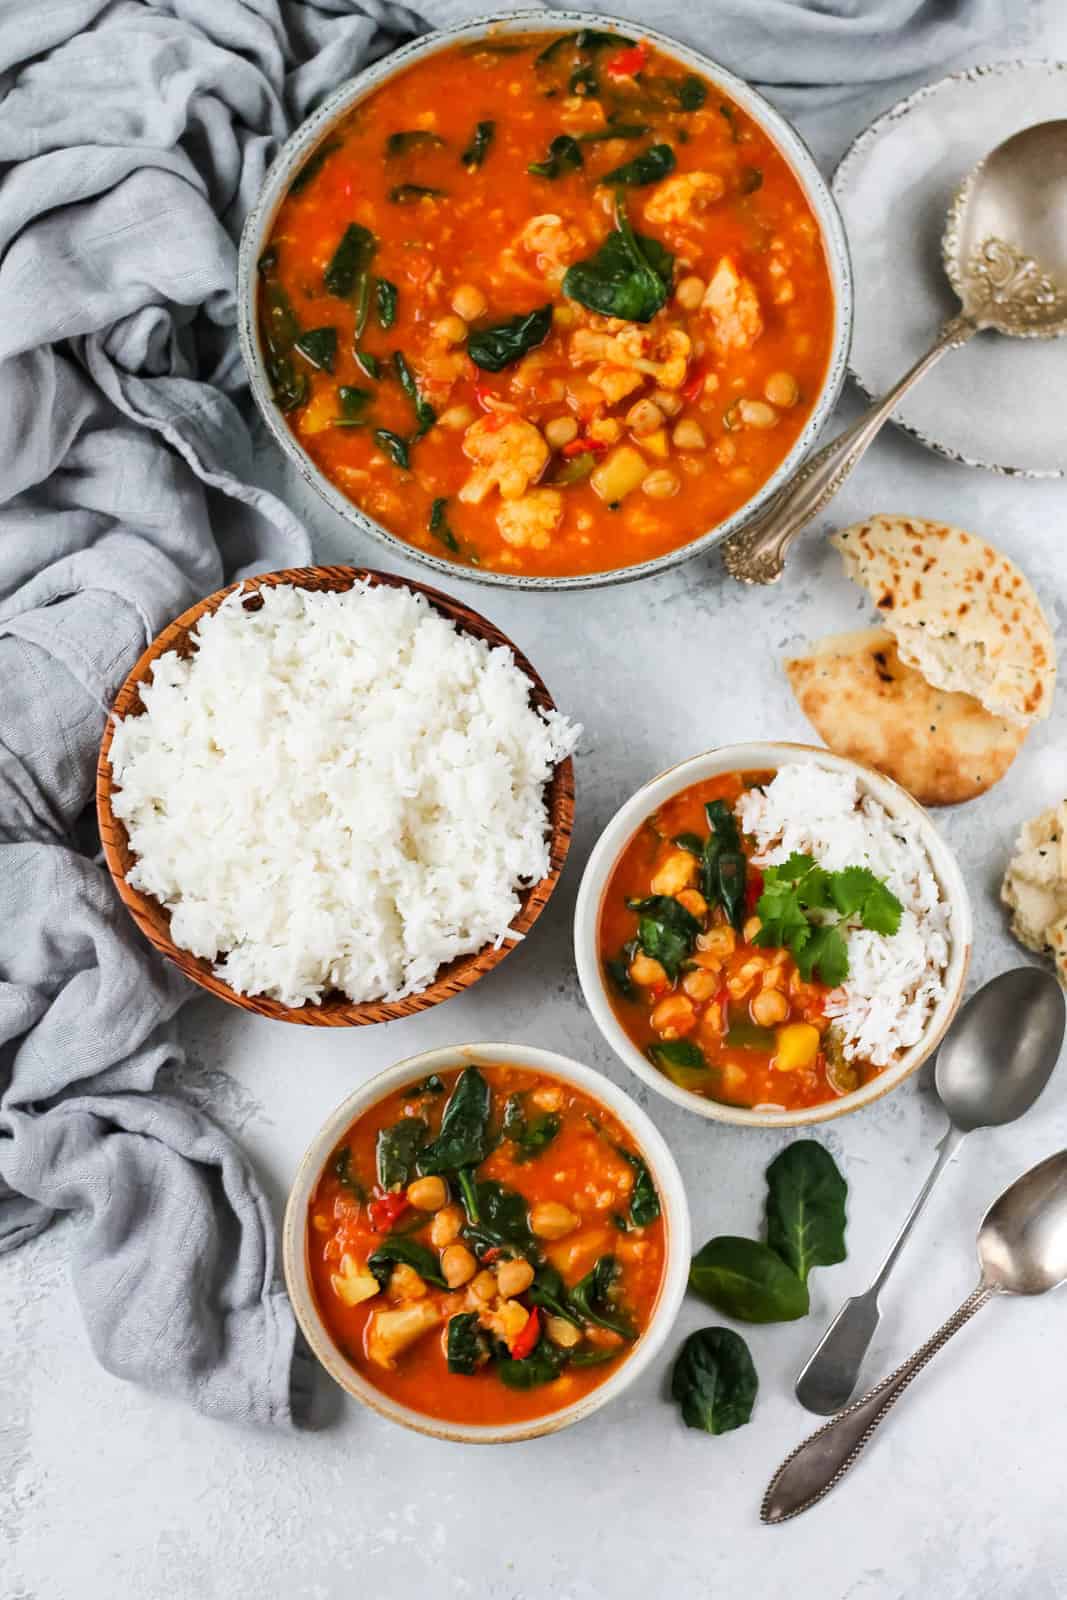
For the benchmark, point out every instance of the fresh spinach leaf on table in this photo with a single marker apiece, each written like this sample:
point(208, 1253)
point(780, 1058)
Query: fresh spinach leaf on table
point(395, 1251)
point(396, 1149)
point(714, 1380)
point(463, 1139)
point(504, 343)
point(747, 1280)
point(806, 1207)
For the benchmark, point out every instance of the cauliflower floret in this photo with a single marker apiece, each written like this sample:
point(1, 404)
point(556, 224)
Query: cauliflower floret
point(615, 383)
point(677, 198)
point(507, 451)
point(389, 1333)
point(553, 243)
point(532, 520)
point(662, 354)
point(733, 305)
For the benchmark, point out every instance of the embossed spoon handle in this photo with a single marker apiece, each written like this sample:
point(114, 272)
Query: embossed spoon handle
point(822, 1460)
point(757, 553)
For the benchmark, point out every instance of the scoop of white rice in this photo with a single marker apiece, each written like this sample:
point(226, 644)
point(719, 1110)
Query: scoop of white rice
point(893, 983)
point(336, 791)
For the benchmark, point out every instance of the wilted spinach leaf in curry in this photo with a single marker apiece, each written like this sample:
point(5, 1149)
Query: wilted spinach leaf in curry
point(319, 346)
point(478, 148)
point(714, 1380)
point(394, 446)
point(396, 1149)
point(504, 343)
point(564, 155)
point(595, 1298)
point(350, 261)
point(410, 141)
point(385, 300)
point(438, 524)
point(468, 1344)
point(409, 194)
point(314, 165)
point(464, 1137)
point(644, 1201)
point(649, 167)
point(395, 1251)
point(543, 1365)
point(629, 277)
point(666, 931)
point(530, 1135)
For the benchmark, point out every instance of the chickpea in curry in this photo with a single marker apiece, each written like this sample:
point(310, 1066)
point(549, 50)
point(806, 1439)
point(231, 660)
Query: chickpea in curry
point(720, 1014)
point(486, 1245)
point(546, 304)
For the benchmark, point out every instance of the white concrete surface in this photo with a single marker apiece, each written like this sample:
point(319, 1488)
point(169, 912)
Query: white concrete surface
point(108, 1492)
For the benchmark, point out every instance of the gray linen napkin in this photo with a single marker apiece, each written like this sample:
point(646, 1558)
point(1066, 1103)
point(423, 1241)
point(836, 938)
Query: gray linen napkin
point(134, 136)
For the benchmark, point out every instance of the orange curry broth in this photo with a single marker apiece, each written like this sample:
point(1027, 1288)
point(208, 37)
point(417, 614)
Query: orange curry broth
point(580, 1168)
point(482, 234)
point(743, 1074)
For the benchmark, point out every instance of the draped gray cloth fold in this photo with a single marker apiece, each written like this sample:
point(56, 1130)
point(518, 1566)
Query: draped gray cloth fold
point(134, 136)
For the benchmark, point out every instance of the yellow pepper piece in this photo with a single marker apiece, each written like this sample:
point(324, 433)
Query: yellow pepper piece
point(798, 1045)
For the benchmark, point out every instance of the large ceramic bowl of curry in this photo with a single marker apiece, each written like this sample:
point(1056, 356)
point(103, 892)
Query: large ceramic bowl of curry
point(545, 300)
point(772, 935)
point(487, 1242)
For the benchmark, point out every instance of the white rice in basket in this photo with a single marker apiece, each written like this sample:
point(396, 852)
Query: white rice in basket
point(893, 983)
point(336, 791)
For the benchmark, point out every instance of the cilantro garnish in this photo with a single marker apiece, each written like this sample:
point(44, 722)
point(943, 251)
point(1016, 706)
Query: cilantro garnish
point(798, 887)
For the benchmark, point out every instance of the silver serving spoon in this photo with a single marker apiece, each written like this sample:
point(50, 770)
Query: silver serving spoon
point(1004, 249)
point(1022, 1249)
point(994, 1062)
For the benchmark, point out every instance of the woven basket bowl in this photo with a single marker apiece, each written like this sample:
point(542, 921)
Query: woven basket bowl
point(336, 1010)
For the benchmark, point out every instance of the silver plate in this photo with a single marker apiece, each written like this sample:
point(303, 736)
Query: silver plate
point(997, 403)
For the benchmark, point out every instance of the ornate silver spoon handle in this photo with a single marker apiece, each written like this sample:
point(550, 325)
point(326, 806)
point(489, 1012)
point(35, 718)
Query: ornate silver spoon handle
point(823, 1459)
point(757, 553)
point(832, 1371)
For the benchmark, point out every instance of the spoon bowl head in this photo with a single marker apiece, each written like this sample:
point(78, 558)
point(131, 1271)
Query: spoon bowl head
point(1001, 1049)
point(1005, 241)
point(1022, 1243)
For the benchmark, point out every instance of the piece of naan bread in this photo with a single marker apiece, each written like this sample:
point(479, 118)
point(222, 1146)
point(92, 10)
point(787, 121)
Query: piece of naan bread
point(868, 704)
point(1035, 887)
point(961, 612)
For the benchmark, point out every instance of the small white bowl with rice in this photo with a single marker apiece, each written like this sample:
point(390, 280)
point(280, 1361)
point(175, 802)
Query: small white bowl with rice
point(901, 992)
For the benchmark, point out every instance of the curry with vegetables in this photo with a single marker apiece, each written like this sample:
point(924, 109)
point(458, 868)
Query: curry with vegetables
point(720, 971)
point(546, 304)
point(486, 1245)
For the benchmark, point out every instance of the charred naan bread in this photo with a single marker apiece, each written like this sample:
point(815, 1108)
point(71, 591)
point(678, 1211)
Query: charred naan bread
point(961, 612)
point(1035, 887)
point(868, 704)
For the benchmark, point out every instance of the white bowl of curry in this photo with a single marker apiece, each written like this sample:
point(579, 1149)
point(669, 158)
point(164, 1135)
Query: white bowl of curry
point(487, 1242)
point(772, 995)
point(546, 300)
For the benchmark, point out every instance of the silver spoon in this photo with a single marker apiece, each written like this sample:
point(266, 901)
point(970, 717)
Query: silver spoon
point(1004, 249)
point(994, 1062)
point(1022, 1249)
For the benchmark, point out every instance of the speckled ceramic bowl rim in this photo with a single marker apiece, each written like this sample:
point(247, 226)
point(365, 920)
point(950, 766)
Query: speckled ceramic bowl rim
point(842, 175)
point(300, 145)
point(650, 1142)
point(748, 758)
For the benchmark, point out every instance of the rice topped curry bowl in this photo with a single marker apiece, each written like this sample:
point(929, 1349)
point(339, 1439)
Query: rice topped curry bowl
point(545, 300)
point(772, 934)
